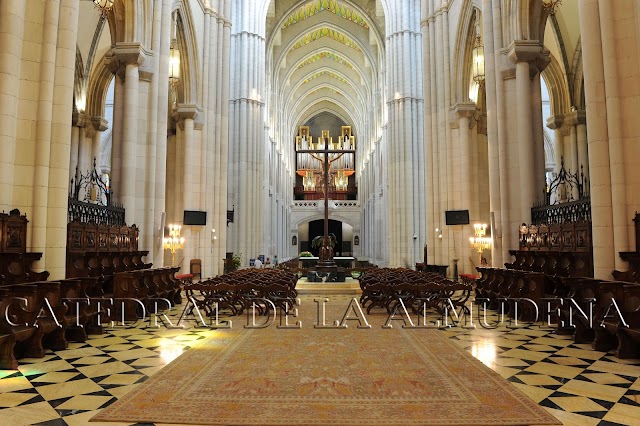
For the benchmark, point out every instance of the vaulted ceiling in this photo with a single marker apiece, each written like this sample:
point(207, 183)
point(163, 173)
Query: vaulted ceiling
point(324, 56)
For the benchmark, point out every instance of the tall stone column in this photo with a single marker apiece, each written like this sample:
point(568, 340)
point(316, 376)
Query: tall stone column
point(186, 115)
point(116, 134)
point(161, 190)
point(428, 43)
point(605, 258)
point(100, 125)
point(85, 162)
point(12, 14)
point(247, 96)
point(405, 138)
point(493, 147)
point(555, 123)
point(524, 53)
point(466, 113)
point(75, 144)
point(581, 142)
point(58, 188)
point(128, 57)
point(38, 232)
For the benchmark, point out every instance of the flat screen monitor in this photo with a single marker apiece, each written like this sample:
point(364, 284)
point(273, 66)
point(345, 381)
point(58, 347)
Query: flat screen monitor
point(192, 217)
point(457, 217)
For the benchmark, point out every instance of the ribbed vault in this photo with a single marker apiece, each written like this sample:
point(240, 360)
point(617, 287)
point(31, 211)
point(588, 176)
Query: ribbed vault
point(324, 56)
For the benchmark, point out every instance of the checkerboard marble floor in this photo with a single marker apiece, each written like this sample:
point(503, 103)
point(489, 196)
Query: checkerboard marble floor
point(576, 384)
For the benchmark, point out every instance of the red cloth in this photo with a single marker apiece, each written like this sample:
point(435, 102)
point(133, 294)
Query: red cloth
point(184, 276)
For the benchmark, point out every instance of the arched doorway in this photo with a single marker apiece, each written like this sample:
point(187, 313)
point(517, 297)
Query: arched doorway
point(312, 229)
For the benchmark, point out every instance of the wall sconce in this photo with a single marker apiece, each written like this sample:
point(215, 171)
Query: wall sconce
point(173, 242)
point(439, 232)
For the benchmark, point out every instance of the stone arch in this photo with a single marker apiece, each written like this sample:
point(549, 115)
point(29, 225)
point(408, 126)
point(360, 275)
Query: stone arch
point(131, 20)
point(189, 59)
point(97, 91)
point(78, 82)
point(355, 120)
point(463, 50)
point(320, 216)
point(313, 113)
point(558, 87)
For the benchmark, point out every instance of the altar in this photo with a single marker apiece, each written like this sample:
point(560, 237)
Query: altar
point(341, 262)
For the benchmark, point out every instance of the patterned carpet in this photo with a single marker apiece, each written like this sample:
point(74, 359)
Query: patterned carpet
point(316, 376)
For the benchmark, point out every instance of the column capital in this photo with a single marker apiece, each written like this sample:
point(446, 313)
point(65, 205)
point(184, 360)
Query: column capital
point(89, 131)
point(123, 54)
point(530, 51)
point(465, 109)
point(99, 123)
point(524, 50)
point(188, 112)
point(574, 118)
point(79, 119)
point(555, 121)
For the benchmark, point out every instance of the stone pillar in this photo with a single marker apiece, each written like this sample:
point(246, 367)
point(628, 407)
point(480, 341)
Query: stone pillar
point(58, 188)
point(248, 92)
point(161, 190)
point(38, 232)
point(524, 53)
point(85, 162)
point(466, 113)
point(493, 146)
point(74, 170)
point(405, 134)
point(100, 125)
point(11, 36)
point(605, 258)
point(186, 115)
point(555, 123)
point(581, 141)
point(571, 160)
point(116, 136)
point(128, 57)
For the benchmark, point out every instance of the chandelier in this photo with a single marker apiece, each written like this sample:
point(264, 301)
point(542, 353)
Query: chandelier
point(173, 242)
point(478, 55)
point(480, 242)
point(104, 6)
point(550, 6)
point(174, 64)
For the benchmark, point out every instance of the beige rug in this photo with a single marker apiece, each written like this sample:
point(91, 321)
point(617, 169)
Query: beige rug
point(325, 376)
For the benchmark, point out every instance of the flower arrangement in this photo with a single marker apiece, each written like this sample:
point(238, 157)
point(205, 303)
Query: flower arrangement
point(306, 254)
point(233, 264)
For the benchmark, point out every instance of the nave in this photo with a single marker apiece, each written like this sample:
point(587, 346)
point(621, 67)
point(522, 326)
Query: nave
point(577, 385)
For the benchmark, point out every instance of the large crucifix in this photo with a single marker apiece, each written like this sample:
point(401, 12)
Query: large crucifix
point(321, 153)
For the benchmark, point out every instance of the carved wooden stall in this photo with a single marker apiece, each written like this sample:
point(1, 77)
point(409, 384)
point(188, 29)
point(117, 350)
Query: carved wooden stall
point(15, 262)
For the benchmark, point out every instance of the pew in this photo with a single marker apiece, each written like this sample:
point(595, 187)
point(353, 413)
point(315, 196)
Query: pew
point(629, 335)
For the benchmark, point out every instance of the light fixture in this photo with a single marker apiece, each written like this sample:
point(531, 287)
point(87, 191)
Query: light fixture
point(341, 181)
point(478, 55)
point(104, 6)
point(480, 242)
point(174, 64)
point(550, 6)
point(173, 242)
point(309, 181)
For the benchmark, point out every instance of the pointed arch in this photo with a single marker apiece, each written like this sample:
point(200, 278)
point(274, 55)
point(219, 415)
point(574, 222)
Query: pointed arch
point(189, 58)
